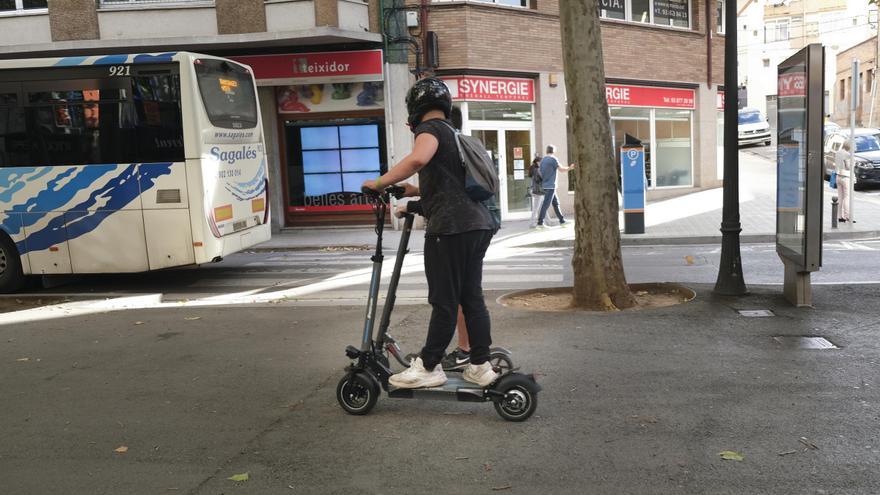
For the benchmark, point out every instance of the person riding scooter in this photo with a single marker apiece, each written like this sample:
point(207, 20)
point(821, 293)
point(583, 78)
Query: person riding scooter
point(456, 239)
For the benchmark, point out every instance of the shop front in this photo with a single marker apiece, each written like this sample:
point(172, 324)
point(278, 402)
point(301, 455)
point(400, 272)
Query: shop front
point(500, 112)
point(662, 120)
point(330, 112)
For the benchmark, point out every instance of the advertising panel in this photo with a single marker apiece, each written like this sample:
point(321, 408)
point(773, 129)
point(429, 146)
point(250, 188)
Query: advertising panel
point(619, 95)
point(799, 170)
point(315, 67)
point(476, 88)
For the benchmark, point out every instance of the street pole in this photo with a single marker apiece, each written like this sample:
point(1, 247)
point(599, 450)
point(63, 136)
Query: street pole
point(853, 106)
point(730, 276)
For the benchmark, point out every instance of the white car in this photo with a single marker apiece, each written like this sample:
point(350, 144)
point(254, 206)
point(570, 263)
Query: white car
point(753, 127)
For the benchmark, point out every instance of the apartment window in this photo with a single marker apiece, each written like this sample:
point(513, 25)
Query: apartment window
point(869, 81)
point(17, 5)
point(508, 3)
point(115, 3)
point(672, 13)
point(776, 30)
point(720, 16)
point(842, 89)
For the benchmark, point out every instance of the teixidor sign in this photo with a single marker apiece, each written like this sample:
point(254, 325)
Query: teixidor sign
point(475, 88)
point(619, 95)
point(315, 67)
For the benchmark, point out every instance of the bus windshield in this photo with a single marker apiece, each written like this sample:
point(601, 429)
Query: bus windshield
point(228, 93)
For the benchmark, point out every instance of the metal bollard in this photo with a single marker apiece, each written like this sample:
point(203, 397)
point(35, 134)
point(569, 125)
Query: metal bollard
point(833, 212)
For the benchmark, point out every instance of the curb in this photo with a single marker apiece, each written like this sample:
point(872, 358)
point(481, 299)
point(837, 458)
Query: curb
point(625, 240)
point(635, 240)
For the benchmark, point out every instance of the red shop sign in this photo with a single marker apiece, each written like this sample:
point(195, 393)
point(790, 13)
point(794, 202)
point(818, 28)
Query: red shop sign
point(793, 84)
point(644, 96)
point(491, 88)
point(302, 68)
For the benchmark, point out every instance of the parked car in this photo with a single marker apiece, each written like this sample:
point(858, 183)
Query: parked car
point(753, 127)
point(867, 154)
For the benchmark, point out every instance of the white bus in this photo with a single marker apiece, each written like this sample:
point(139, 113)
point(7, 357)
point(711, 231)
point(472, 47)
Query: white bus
point(127, 163)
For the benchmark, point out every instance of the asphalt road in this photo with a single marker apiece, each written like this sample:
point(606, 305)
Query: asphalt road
point(180, 399)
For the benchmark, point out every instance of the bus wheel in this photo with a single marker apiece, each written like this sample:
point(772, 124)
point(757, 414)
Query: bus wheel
point(11, 277)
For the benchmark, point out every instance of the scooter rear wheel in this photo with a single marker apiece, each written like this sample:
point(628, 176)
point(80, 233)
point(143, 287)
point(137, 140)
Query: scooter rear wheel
point(519, 401)
point(357, 394)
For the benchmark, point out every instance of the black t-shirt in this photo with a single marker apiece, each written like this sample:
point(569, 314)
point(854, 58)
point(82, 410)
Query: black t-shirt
point(447, 207)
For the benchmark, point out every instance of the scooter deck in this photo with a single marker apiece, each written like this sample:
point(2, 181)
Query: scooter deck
point(455, 389)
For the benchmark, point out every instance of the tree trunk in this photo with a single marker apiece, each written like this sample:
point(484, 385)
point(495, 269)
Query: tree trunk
point(599, 281)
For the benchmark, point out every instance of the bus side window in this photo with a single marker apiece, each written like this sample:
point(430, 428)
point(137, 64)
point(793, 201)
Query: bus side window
point(13, 138)
point(124, 119)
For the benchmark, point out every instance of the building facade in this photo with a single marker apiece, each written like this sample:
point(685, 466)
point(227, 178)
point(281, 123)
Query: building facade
point(663, 64)
point(332, 75)
point(867, 110)
point(773, 30)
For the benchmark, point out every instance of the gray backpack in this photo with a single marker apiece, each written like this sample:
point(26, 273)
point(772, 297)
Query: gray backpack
point(481, 178)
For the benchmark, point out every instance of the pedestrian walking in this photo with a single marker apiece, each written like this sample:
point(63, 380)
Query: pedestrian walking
point(549, 168)
point(536, 190)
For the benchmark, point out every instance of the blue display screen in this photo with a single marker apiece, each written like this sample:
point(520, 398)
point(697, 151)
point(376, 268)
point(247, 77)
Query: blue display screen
point(337, 159)
point(320, 184)
point(316, 162)
point(352, 182)
point(319, 138)
point(359, 136)
point(361, 160)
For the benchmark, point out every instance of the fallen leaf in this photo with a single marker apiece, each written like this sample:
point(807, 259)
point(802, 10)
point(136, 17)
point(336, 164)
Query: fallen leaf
point(239, 477)
point(499, 488)
point(689, 260)
point(729, 455)
point(121, 450)
point(487, 467)
point(193, 318)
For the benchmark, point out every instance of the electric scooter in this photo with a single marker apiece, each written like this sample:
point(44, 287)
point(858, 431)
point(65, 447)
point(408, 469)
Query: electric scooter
point(514, 395)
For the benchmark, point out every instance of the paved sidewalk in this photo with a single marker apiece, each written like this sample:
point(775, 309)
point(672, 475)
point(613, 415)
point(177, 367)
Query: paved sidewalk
point(690, 219)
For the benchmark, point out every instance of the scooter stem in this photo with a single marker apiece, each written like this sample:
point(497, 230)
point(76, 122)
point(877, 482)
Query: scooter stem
point(390, 299)
point(375, 280)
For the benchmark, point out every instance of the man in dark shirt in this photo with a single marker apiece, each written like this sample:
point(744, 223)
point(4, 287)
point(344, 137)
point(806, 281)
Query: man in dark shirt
point(456, 239)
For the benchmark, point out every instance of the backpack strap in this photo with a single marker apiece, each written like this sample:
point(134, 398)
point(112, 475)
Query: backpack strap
point(457, 135)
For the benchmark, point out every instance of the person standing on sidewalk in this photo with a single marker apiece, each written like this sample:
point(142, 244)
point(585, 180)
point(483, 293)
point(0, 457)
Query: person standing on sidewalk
point(844, 171)
point(457, 236)
point(536, 190)
point(549, 168)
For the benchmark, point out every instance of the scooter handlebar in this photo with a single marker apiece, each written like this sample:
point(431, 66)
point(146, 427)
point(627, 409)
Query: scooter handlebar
point(396, 191)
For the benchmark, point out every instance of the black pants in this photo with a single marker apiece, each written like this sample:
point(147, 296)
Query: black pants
point(454, 268)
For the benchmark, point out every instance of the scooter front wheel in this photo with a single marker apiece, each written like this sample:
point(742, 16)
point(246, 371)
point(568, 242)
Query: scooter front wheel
point(357, 394)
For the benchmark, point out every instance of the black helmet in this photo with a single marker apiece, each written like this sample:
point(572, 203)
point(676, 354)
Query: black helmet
point(426, 95)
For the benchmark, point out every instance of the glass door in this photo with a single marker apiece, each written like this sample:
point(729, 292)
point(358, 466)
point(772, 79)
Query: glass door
point(511, 149)
point(518, 152)
point(491, 139)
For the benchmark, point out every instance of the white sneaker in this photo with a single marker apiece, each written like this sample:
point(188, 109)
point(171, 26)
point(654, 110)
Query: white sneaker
point(416, 376)
point(481, 374)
